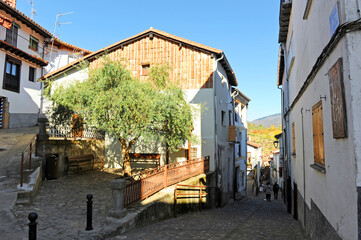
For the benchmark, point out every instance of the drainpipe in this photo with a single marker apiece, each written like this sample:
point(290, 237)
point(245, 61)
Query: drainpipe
point(304, 172)
point(358, 8)
point(282, 148)
point(41, 84)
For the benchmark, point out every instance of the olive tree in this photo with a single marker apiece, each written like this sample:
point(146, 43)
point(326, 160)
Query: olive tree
point(114, 101)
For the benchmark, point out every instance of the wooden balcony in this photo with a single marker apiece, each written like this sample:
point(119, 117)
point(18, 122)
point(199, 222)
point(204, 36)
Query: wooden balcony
point(232, 133)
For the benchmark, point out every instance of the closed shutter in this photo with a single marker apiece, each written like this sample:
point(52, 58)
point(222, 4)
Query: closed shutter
point(318, 143)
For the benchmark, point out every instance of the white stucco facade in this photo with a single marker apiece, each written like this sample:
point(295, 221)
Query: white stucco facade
point(24, 58)
point(329, 190)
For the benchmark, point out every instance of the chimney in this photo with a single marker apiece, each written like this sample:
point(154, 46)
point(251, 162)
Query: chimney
point(11, 3)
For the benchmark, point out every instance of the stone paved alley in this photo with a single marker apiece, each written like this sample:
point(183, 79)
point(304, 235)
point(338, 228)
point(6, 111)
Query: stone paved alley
point(61, 206)
point(251, 218)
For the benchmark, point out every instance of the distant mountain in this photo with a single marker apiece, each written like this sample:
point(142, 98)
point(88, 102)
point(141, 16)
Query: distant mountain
point(267, 121)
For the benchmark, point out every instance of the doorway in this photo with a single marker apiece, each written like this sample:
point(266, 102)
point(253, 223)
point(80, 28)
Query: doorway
point(295, 205)
point(4, 113)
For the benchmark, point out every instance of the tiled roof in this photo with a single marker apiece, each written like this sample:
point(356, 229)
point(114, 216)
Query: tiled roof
point(224, 61)
point(32, 24)
point(85, 51)
point(253, 144)
point(24, 19)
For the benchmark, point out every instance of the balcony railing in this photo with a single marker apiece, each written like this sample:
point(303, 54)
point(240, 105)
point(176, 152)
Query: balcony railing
point(68, 132)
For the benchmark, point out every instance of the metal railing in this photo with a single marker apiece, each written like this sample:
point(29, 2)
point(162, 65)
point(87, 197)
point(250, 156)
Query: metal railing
point(26, 155)
point(182, 191)
point(67, 132)
point(154, 180)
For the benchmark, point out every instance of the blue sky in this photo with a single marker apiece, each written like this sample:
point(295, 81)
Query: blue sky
point(247, 31)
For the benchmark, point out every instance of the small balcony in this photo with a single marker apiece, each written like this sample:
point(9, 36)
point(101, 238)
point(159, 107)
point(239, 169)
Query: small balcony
point(232, 133)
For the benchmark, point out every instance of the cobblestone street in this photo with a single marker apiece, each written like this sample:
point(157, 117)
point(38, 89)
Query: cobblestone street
point(61, 205)
point(252, 218)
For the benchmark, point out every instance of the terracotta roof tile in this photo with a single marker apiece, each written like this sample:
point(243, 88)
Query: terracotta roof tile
point(253, 144)
point(28, 21)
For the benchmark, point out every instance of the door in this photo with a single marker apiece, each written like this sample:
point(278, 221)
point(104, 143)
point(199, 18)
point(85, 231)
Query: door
point(77, 126)
point(4, 113)
point(295, 205)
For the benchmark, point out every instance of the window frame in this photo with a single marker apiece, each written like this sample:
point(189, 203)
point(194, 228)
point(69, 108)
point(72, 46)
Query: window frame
point(293, 139)
point(223, 118)
point(9, 77)
point(318, 135)
point(145, 69)
point(33, 39)
point(11, 36)
point(32, 76)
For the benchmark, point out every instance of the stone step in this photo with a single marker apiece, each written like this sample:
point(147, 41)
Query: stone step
point(23, 201)
point(24, 194)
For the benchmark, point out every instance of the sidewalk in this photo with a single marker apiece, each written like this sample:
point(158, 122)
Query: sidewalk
point(12, 143)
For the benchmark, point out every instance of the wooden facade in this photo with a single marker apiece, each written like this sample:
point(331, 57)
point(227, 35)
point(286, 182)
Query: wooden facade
point(191, 67)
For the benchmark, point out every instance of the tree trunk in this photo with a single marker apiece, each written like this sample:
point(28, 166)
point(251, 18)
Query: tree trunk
point(166, 153)
point(126, 158)
point(126, 162)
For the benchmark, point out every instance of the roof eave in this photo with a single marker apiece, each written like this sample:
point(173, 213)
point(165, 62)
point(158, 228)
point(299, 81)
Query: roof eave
point(20, 53)
point(284, 19)
point(281, 67)
point(227, 67)
point(14, 13)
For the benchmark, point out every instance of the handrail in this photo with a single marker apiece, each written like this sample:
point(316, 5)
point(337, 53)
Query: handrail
point(156, 179)
point(32, 145)
point(200, 194)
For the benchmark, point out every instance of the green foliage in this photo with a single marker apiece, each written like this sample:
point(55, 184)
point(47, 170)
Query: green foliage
point(263, 135)
point(114, 101)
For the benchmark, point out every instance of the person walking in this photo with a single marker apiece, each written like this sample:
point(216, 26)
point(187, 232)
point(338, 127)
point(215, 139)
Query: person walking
point(268, 192)
point(276, 187)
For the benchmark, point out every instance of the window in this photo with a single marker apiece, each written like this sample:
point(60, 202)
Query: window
point(193, 153)
point(33, 43)
point(12, 74)
point(293, 138)
point(12, 35)
point(318, 146)
point(31, 74)
point(223, 116)
point(145, 69)
point(239, 150)
point(229, 118)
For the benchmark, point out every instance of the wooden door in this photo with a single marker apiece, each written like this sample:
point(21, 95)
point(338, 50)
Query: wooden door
point(77, 126)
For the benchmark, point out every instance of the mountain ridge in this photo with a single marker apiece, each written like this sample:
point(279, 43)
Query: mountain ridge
point(267, 121)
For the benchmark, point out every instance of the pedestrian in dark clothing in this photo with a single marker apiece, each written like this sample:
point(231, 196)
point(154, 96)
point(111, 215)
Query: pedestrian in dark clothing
point(268, 192)
point(275, 190)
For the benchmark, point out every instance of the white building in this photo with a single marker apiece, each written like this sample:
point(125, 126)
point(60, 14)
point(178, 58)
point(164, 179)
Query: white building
point(240, 121)
point(207, 81)
point(319, 71)
point(254, 155)
point(24, 57)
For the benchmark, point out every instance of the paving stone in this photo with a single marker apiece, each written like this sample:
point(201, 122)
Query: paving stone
point(251, 218)
point(61, 205)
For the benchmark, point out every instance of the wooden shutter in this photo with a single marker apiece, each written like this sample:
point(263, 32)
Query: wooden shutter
point(338, 103)
point(318, 143)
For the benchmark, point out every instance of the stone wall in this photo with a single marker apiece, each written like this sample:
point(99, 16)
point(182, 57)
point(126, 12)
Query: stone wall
point(317, 225)
point(69, 148)
point(161, 205)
